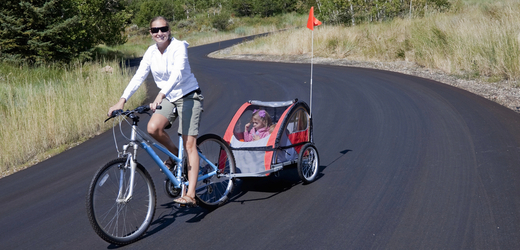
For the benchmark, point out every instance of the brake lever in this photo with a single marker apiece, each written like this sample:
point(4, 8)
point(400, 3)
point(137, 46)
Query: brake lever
point(114, 114)
point(145, 109)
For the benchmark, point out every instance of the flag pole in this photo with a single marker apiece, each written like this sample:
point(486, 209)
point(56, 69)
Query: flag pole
point(311, 22)
point(312, 58)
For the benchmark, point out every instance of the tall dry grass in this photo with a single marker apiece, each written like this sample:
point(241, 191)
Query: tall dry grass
point(243, 27)
point(482, 42)
point(201, 38)
point(51, 108)
point(477, 39)
point(139, 39)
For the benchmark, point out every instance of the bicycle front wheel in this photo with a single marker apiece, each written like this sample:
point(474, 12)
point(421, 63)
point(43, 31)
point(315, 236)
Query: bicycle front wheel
point(116, 217)
point(215, 191)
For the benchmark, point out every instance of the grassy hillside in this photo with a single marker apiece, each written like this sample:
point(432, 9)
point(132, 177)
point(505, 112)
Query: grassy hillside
point(477, 39)
point(47, 109)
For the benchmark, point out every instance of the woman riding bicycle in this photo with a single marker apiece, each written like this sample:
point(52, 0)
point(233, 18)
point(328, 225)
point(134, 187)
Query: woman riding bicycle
point(168, 61)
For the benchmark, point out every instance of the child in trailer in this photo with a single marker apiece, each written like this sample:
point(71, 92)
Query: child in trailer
point(262, 123)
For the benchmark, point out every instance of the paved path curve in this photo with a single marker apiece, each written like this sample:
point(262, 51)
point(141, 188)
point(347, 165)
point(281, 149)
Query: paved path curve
point(406, 163)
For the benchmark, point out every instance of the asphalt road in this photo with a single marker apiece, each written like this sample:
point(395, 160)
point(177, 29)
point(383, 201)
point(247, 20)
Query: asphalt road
point(406, 163)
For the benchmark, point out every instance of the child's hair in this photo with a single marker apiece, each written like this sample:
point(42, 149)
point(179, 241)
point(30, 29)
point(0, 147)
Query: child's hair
point(264, 116)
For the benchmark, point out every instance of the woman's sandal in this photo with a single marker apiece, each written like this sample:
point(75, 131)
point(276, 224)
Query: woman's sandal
point(186, 201)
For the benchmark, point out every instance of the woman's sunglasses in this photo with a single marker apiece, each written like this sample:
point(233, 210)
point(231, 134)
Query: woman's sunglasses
point(156, 30)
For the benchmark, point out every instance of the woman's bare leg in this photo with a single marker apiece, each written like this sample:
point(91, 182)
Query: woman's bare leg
point(190, 144)
point(156, 127)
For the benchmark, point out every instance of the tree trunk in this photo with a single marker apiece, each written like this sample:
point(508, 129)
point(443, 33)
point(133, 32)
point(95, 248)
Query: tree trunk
point(410, 8)
point(352, 13)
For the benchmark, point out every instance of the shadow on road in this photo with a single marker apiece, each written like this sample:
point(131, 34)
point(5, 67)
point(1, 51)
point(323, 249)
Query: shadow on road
point(165, 219)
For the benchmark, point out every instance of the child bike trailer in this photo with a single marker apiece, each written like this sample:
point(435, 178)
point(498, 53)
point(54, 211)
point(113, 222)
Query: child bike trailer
point(267, 136)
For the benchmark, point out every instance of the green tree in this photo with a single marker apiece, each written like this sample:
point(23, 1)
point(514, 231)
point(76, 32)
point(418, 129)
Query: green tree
point(220, 21)
point(171, 10)
point(265, 8)
point(242, 8)
point(352, 12)
point(39, 31)
point(104, 19)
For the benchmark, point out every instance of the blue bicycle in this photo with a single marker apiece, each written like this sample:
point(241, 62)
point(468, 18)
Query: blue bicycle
point(121, 198)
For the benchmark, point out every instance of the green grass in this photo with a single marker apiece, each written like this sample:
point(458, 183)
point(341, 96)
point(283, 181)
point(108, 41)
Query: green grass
point(44, 110)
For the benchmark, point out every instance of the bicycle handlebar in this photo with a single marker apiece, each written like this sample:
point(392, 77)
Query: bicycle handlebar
point(140, 110)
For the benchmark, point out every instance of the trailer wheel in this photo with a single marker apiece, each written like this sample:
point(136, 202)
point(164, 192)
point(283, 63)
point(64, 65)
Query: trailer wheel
point(308, 163)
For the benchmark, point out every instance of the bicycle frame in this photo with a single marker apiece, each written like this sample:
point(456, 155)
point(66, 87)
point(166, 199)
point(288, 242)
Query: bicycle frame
point(136, 141)
point(125, 218)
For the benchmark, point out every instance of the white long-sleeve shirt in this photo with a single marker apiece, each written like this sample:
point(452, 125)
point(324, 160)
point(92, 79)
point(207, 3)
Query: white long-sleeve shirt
point(171, 71)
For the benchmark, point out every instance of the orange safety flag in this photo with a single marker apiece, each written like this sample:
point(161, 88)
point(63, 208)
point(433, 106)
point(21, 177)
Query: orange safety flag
point(312, 21)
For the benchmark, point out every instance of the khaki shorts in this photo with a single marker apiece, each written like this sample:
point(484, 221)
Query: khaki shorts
point(189, 110)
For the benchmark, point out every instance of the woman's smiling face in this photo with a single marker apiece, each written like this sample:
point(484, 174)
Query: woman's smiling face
point(160, 37)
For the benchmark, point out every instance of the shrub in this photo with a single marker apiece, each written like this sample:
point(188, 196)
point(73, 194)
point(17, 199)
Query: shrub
point(220, 21)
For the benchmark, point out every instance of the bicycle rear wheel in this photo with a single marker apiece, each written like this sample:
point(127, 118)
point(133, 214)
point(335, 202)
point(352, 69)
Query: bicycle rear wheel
point(214, 191)
point(120, 221)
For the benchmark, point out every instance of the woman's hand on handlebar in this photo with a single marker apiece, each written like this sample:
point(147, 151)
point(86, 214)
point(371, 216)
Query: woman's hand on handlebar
point(157, 102)
point(118, 106)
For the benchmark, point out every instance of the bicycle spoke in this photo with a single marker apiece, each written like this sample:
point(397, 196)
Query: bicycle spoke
point(115, 215)
point(214, 191)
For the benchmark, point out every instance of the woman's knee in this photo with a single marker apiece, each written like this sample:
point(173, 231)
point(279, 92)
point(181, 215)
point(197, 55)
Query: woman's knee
point(153, 128)
point(156, 124)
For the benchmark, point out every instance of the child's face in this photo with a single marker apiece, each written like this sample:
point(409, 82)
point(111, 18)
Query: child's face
point(258, 123)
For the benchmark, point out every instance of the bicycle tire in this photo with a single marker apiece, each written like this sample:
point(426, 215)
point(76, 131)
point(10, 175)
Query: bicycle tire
point(214, 191)
point(120, 223)
point(308, 163)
